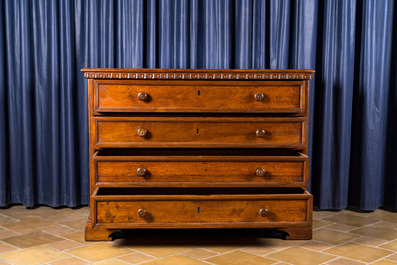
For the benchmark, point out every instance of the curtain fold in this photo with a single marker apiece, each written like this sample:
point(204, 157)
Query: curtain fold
point(333, 117)
point(353, 99)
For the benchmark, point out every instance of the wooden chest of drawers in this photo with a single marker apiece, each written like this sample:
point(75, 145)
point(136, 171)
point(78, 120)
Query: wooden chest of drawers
point(198, 149)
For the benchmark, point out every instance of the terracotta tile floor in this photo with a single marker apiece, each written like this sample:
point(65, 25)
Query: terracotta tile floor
point(56, 237)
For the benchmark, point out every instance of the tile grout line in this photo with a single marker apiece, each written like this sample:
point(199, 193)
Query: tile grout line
point(5, 228)
point(350, 241)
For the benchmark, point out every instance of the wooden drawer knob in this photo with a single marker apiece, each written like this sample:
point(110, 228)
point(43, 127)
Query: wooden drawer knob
point(263, 212)
point(142, 132)
point(259, 97)
point(141, 171)
point(260, 172)
point(142, 96)
point(260, 133)
point(141, 213)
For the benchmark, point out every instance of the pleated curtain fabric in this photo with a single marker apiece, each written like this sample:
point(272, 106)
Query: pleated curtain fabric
point(353, 100)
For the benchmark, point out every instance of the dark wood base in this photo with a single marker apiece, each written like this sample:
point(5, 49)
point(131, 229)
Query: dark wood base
point(104, 234)
point(295, 233)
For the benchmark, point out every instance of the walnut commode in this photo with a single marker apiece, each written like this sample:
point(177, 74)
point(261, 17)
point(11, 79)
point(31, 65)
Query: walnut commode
point(198, 149)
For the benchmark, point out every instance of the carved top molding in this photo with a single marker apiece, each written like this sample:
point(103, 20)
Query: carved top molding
point(196, 74)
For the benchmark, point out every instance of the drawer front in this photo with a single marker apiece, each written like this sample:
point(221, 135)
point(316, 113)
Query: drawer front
point(280, 210)
point(199, 96)
point(200, 132)
point(202, 171)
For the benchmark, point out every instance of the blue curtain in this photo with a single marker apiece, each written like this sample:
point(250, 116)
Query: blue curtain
point(353, 100)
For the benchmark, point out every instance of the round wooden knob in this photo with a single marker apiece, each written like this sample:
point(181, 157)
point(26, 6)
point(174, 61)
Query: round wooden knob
point(142, 96)
point(141, 213)
point(259, 97)
point(142, 132)
point(260, 133)
point(263, 212)
point(141, 171)
point(260, 172)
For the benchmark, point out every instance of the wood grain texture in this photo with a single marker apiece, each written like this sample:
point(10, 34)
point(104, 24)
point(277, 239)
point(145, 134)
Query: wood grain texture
point(199, 132)
point(202, 171)
point(199, 96)
point(216, 209)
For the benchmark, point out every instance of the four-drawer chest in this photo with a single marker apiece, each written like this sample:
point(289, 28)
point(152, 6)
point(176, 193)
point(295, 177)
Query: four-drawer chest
point(173, 148)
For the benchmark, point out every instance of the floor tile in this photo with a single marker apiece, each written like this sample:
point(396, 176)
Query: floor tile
point(384, 262)
point(29, 226)
point(99, 251)
point(78, 224)
point(358, 252)
point(161, 250)
point(222, 249)
point(392, 257)
point(386, 224)
point(135, 258)
point(324, 214)
point(35, 255)
point(7, 220)
point(370, 241)
point(277, 243)
point(70, 261)
point(56, 218)
point(64, 245)
point(4, 233)
point(343, 261)
point(352, 220)
point(301, 256)
point(341, 227)
point(111, 262)
point(78, 236)
point(258, 250)
point(320, 223)
point(390, 246)
point(31, 240)
point(386, 216)
point(199, 253)
point(377, 232)
point(59, 230)
point(332, 237)
point(316, 245)
point(82, 212)
point(6, 248)
point(175, 260)
point(358, 212)
point(240, 257)
point(16, 210)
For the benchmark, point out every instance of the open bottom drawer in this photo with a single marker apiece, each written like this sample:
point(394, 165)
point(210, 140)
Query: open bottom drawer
point(201, 208)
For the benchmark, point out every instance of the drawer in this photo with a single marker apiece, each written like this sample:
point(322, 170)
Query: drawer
point(190, 208)
point(211, 132)
point(167, 208)
point(199, 96)
point(213, 168)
